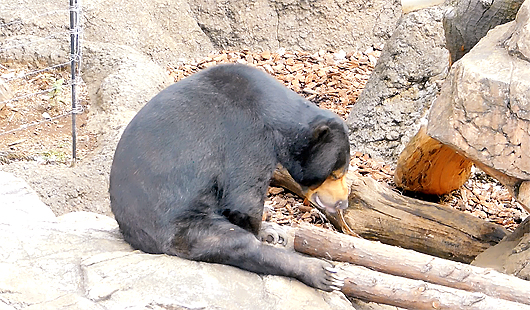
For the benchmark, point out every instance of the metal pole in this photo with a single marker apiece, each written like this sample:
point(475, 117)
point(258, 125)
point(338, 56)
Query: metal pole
point(74, 36)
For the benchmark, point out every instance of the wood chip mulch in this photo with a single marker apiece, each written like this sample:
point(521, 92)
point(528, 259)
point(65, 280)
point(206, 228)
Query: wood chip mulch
point(332, 80)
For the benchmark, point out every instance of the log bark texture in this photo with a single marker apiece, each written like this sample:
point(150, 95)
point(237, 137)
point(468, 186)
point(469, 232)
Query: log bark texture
point(376, 212)
point(470, 20)
point(409, 264)
point(430, 167)
point(373, 286)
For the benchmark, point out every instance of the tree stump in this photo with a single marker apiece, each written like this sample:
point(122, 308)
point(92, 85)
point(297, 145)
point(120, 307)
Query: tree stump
point(430, 167)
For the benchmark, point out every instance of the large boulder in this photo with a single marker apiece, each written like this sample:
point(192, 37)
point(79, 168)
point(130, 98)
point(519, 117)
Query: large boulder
point(405, 81)
point(80, 261)
point(483, 111)
point(484, 108)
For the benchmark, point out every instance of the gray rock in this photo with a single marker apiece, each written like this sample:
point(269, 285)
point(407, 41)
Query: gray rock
point(120, 79)
point(405, 81)
point(166, 31)
point(519, 43)
point(64, 189)
point(163, 30)
point(20, 203)
point(80, 261)
point(511, 255)
point(53, 51)
point(300, 25)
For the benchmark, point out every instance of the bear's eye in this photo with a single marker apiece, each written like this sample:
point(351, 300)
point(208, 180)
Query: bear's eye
point(335, 175)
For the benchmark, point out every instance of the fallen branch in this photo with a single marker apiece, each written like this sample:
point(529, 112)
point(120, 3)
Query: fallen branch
point(406, 263)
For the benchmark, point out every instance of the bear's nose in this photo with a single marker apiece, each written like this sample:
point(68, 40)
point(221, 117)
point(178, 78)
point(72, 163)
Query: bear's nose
point(341, 204)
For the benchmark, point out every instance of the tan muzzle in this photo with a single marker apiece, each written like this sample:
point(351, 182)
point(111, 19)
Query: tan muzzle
point(331, 195)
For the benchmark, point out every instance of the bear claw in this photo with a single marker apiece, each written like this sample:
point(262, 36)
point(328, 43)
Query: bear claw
point(331, 269)
point(272, 234)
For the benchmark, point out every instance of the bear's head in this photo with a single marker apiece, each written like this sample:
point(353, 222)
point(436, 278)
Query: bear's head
point(323, 164)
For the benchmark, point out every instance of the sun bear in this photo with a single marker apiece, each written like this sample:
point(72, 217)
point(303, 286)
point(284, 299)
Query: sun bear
point(191, 170)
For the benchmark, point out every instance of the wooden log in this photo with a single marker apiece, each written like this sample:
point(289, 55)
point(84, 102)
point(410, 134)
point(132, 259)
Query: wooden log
point(427, 166)
point(376, 212)
point(282, 178)
point(406, 263)
point(373, 286)
point(470, 20)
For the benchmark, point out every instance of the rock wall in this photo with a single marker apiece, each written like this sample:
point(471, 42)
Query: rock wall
point(166, 31)
point(296, 24)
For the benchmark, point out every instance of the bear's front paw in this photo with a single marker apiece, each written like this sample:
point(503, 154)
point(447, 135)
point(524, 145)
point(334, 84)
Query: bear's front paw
point(322, 275)
point(273, 234)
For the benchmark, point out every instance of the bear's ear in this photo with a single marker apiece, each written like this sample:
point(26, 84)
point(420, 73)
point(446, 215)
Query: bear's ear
point(321, 132)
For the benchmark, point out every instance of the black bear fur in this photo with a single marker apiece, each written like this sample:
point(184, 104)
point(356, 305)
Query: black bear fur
point(191, 170)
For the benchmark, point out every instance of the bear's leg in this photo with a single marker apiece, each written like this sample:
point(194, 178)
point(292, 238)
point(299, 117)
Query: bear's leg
point(219, 241)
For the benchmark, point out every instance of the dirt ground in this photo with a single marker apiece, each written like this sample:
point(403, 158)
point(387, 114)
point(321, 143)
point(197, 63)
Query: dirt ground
point(38, 126)
point(36, 137)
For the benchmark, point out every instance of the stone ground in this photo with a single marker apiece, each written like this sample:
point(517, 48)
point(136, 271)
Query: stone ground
point(35, 137)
